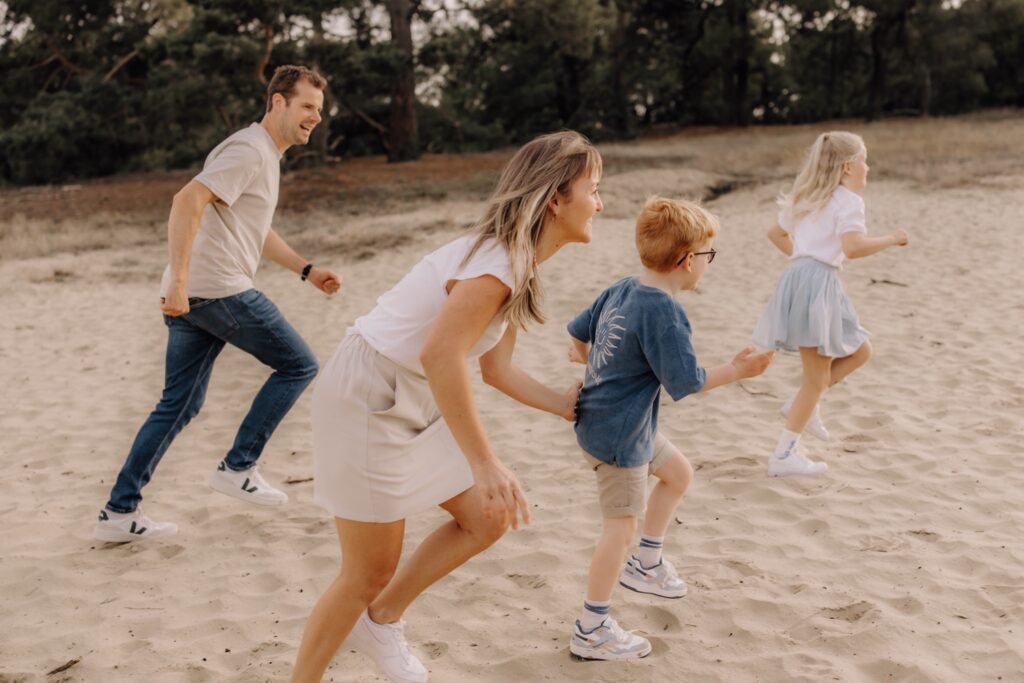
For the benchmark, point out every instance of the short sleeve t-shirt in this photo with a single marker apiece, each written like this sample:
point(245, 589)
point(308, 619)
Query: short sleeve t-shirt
point(244, 172)
point(819, 234)
point(404, 316)
point(640, 342)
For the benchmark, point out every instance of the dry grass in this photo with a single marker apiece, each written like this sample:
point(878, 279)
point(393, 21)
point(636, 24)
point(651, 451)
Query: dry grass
point(358, 207)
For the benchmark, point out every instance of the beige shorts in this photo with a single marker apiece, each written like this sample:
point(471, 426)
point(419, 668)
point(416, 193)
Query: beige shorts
point(622, 491)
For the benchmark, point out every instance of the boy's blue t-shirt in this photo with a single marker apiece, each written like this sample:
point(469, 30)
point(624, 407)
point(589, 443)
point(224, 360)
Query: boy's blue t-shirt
point(640, 342)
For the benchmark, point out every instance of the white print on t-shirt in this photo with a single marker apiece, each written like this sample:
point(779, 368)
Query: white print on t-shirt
point(605, 338)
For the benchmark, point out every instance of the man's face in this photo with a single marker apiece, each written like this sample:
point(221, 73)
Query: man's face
point(301, 115)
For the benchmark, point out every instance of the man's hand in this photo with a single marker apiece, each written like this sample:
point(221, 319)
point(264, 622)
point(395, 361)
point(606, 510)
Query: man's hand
point(748, 364)
point(175, 303)
point(326, 281)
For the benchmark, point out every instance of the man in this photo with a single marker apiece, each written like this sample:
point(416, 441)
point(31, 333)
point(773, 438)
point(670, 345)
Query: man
point(220, 225)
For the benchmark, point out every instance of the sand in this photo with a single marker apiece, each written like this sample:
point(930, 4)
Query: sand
point(900, 565)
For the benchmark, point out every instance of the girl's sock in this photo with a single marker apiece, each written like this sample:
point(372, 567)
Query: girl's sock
point(787, 444)
point(649, 551)
point(594, 613)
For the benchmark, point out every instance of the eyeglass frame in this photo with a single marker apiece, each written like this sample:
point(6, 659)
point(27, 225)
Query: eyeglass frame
point(710, 254)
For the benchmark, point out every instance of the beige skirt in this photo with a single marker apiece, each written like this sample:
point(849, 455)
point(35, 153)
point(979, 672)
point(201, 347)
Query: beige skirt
point(381, 449)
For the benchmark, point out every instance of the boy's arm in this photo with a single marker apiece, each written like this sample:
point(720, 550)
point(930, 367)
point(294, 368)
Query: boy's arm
point(781, 239)
point(579, 350)
point(745, 364)
point(500, 372)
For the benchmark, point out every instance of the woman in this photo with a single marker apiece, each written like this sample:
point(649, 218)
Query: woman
point(395, 427)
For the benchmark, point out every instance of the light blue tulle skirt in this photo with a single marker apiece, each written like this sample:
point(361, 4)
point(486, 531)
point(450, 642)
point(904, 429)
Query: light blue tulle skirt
point(810, 308)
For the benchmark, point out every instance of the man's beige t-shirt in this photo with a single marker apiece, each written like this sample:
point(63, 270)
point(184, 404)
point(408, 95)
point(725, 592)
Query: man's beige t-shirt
point(244, 172)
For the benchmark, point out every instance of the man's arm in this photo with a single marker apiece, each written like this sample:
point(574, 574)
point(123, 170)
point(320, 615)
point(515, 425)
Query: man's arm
point(277, 250)
point(182, 226)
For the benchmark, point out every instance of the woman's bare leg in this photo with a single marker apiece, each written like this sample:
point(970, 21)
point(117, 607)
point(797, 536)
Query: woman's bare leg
point(448, 547)
point(369, 555)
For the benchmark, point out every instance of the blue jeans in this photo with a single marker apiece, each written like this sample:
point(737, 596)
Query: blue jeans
point(249, 321)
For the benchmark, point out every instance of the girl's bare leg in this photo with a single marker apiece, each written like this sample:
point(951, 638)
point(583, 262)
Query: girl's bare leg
point(816, 379)
point(842, 367)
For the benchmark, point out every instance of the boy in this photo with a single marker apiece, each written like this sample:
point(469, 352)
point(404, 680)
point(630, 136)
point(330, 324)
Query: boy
point(635, 339)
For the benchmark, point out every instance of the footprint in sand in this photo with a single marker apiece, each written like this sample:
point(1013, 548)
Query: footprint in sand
point(528, 580)
point(850, 613)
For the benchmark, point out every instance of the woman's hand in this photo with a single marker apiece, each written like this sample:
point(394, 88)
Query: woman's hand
point(570, 402)
point(502, 494)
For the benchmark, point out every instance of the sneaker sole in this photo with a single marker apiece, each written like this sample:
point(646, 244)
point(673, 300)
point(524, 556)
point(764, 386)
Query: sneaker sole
point(797, 474)
point(118, 536)
point(660, 595)
point(612, 658)
point(237, 493)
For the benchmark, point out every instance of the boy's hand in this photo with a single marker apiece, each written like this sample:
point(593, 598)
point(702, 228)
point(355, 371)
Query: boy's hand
point(575, 354)
point(572, 398)
point(749, 365)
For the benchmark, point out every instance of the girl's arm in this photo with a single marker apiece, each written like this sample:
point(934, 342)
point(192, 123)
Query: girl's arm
point(859, 245)
point(781, 239)
point(469, 309)
point(500, 372)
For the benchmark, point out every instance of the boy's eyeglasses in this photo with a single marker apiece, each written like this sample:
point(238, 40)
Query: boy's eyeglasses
point(710, 254)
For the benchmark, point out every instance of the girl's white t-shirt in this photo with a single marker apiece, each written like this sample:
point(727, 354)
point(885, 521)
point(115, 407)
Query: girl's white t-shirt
point(404, 316)
point(819, 234)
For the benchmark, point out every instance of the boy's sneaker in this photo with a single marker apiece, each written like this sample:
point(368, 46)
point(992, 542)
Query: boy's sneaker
point(607, 642)
point(661, 579)
point(794, 462)
point(385, 644)
point(815, 427)
point(248, 485)
point(125, 527)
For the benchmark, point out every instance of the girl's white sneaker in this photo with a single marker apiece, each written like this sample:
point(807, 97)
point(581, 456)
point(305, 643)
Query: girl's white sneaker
point(793, 462)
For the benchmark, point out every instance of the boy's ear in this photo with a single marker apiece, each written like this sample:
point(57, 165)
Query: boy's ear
point(687, 263)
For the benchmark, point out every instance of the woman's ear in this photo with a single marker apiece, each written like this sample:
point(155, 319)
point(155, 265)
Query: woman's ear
point(553, 203)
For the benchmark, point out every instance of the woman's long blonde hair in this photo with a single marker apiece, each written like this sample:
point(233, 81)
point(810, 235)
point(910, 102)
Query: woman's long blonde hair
point(821, 173)
point(518, 209)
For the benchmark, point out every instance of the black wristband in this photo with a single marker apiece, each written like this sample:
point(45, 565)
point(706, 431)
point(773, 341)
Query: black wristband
point(305, 271)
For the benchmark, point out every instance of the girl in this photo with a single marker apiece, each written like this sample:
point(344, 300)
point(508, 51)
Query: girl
point(395, 427)
point(821, 222)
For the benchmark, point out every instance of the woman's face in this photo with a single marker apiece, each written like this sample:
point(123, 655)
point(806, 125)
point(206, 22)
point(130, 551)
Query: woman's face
point(574, 212)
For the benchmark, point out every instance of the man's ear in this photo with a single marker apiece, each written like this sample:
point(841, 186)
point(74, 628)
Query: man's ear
point(278, 98)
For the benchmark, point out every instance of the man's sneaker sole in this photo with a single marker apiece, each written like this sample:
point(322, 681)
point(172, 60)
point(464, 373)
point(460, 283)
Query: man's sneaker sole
point(101, 533)
point(229, 489)
point(650, 592)
point(609, 658)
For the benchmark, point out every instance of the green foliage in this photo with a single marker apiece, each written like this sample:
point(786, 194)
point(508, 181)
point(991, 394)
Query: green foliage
point(92, 87)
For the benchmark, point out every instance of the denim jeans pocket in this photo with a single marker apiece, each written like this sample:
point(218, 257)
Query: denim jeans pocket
point(213, 316)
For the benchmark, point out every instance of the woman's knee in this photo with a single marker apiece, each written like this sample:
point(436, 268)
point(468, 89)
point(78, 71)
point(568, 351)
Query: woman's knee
point(369, 581)
point(487, 530)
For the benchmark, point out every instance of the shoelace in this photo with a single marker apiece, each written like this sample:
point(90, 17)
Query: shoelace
point(398, 628)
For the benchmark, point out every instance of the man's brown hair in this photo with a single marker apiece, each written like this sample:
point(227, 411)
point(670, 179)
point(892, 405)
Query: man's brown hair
point(284, 80)
point(668, 228)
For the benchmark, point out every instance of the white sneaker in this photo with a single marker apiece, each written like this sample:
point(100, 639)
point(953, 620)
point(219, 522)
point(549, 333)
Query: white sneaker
point(125, 527)
point(607, 642)
point(247, 485)
point(385, 644)
point(661, 579)
point(793, 462)
point(815, 427)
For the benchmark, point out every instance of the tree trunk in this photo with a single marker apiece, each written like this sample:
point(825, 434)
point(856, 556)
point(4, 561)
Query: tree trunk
point(403, 130)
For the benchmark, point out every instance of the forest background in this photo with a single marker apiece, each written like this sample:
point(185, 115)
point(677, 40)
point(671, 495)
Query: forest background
point(93, 87)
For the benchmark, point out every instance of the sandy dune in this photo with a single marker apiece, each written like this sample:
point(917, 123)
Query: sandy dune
point(900, 565)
